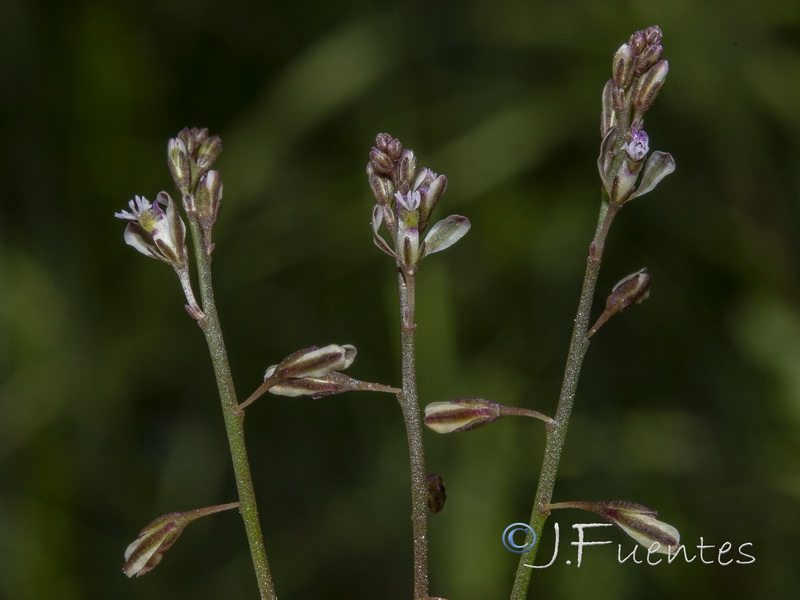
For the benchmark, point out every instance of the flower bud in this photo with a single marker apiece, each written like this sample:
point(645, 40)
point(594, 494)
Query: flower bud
point(622, 65)
point(208, 152)
point(382, 141)
point(145, 552)
point(650, 56)
point(208, 198)
point(652, 35)
point(639, 41)
point(394, 149)
point(464, 414)
point(406, 170)
point(380, 161)
point(636, 520)
point(313, 362)
point(437, 494)
point(648, 87)
point(193, 138)
point(633, 289)
point(461, 414)
point(382, 187)
point(178, 160)
point(311, 386)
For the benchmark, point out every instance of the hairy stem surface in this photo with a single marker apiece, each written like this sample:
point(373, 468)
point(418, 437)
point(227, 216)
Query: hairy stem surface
point(411, 415)
point(234, 419)
point(557, 430)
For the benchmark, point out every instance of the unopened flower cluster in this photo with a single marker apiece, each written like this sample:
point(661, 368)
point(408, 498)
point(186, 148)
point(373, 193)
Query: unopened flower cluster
point(638, 73)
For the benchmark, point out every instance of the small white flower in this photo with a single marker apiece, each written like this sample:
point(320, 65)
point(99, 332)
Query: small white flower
point(155, 233)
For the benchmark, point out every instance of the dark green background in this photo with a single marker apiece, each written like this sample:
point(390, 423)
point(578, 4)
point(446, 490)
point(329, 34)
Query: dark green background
point(689, 403)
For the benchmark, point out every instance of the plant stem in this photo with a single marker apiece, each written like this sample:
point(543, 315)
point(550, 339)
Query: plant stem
point(556, 431)
point(234, 418)
point(411, 415)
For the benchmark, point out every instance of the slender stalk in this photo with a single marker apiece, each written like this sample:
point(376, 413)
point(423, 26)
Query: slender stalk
point(234, 418)
point(557, 430)
point(411, 415)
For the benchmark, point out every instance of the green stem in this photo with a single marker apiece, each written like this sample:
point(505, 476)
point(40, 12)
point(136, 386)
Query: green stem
point(234, 418)
point(557, 430)
point(411, 415)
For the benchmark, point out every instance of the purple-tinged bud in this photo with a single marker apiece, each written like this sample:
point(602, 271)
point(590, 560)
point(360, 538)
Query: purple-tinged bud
point(465, 414)
point(315, 386)
point(648, 58)
point(648, 87)
point(178, 160)
point(380, 161)
point(382, 141)
point(313, 362)
point(633, 289)
point(437, 495)
point(309, 386)
point(145, 552)
point(652, 35)
point(639, 41)
point(394, 149)
point(461, 414)
point(208, 152)
point(382, 187)
point(622, 66)
point(406, 170)
point(193, 138)
point(636, 520)
point(326, 385)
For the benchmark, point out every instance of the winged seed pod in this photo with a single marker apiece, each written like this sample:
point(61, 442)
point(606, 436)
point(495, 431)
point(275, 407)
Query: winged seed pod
point(636, 520)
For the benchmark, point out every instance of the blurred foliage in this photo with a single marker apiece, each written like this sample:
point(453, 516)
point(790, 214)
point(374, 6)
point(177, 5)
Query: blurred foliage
point(689, 403)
